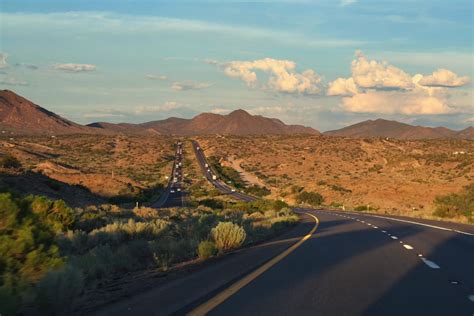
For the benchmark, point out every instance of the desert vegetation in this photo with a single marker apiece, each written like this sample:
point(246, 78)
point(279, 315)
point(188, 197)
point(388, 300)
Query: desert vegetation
point(389, 176)
point(112, 169)
point(45, 246)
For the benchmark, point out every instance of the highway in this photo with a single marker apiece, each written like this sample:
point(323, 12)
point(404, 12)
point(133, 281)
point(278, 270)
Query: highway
point(331, 263)
point(343, 264)
point(213, 178)
point(173, 195)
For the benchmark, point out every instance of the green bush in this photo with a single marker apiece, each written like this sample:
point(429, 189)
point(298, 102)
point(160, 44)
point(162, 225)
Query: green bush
point(28, 248)
point(206, 249)
point(257, 190)
point(456, 204)
point(10, 162)
point(58, 291)
point(312, 198)
point(228, 236)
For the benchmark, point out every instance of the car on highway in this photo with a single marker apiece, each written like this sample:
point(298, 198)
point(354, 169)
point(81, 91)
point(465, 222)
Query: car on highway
point(178, 189)
point(172, 191)
point(233, 190)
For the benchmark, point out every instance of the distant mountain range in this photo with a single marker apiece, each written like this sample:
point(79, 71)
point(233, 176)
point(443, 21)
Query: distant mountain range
point(20, 116)
point(394, 129)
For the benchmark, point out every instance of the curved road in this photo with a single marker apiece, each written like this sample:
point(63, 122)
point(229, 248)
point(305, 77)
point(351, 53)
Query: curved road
point(332, 263)
point(219, 185)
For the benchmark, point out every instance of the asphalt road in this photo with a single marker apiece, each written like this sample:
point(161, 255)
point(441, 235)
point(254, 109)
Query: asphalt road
point(219, 185)
point(173, 195)
point(351, 265)
point(332, 263)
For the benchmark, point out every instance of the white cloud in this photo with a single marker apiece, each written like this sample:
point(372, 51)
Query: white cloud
point(444, 78)
point(377, 87)
point(469, 120)
point(373, 74)
point(166, 106)
point(156, 77)
point(69, 67)
point(343, 87)
point(282, 75)
point(393, 102)
point(220, 111)
point(189, 85)
point(10, 81)
point(102, 115)
point(3, 60)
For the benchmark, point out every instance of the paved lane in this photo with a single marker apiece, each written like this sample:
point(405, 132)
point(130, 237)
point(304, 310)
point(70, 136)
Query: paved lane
point(352, 268)
point(173, 195)
point(213, 178)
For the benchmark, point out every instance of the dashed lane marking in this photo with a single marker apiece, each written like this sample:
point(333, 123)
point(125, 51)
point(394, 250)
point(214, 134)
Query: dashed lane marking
point(430, 263)
point(408, 247)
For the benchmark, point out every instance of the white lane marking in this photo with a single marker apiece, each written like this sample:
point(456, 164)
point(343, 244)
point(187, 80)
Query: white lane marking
point(420, 255)
point(465, 233)
point(394, 237)
point(384, 231)
point(408, 247)
point(422, 224)
point(471, 298)
point(375, 227)
point(430, 264)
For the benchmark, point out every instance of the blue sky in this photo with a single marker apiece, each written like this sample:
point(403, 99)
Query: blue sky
point(325, 64)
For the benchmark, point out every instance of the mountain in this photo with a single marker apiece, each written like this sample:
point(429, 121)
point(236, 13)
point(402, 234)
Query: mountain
point(394, 129)
point(21, 116)
point(467, 133)
point(238, 122)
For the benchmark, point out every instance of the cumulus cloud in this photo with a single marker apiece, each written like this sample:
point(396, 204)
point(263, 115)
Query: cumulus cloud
point(343, 87)
point(3, 60)
point(156, 77)
point(391, 102)
point(10, 81)
point(74, 67)
point(378, 87)
point(189, 85)
point(444, 78)
point(282, 75)
point(380, 75)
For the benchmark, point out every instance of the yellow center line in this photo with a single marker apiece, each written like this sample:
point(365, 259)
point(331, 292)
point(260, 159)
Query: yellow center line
point(206, 307)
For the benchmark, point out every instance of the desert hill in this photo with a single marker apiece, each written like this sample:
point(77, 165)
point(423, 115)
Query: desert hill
point(394, 129)
point(22, 116)
point(238, 122)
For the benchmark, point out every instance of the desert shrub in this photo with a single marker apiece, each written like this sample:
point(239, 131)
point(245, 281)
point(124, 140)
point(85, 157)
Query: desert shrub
point(361, 208)
point(375, 168)
point(312, 198)
point(10, 162)
point(28, 249)
point(206, 249)
point(456, 204)
point(278, 205)
point(257, 190)
point(296, 189)
point(58, 290)
point(228, 236)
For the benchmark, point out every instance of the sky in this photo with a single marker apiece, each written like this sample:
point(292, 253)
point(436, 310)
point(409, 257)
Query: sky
point(324, 64)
